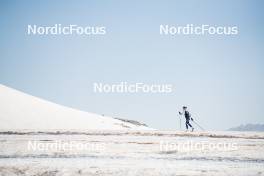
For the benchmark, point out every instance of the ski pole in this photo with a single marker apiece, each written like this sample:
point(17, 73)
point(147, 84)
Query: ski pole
point(180, 121)
point(199, 125)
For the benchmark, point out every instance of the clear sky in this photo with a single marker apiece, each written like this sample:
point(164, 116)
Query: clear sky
point(220, 78)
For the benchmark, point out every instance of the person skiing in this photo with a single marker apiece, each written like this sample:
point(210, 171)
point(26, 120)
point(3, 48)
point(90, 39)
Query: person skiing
point(188, 117)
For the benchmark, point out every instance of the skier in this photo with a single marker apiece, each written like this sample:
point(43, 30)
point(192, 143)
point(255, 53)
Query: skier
point(187, 116)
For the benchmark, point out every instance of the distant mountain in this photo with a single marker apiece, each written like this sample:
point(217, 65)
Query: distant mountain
point(248, 127)
point(22, 111)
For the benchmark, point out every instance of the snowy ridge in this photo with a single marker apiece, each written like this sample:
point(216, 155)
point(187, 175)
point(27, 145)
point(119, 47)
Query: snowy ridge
point(248, 127)
point(209, 134)
point(22, 111)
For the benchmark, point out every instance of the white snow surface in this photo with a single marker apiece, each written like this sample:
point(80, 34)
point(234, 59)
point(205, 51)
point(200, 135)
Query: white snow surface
point(22, 111)
point(130, 153)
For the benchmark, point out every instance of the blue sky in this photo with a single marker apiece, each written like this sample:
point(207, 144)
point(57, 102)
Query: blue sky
point(220, 78)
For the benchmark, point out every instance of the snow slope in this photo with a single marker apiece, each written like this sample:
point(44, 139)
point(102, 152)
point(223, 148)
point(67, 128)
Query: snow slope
point(22, 111)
